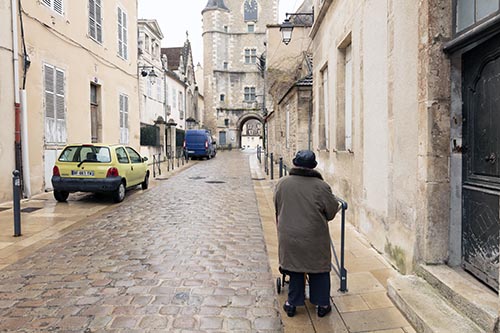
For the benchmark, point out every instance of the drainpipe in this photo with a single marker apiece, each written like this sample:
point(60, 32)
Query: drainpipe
point(24, 143)
point(17, 101)
point(21, 107)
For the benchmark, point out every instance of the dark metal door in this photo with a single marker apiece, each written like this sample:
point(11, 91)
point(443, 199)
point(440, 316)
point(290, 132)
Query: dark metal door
point(481, 161)
point(222, 138)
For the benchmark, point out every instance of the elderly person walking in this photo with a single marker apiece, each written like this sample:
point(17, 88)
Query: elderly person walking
point(304, 204)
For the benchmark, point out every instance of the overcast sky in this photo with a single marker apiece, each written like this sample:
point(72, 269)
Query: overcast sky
point(177, 16)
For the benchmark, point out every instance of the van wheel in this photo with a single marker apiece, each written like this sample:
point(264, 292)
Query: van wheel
point(61, 196)
point(119, 193)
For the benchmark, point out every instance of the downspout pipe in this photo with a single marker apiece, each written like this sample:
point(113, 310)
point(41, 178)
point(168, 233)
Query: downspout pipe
point(17, 99)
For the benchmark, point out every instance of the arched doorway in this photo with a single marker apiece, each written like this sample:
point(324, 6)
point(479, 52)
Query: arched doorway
point(250, 131)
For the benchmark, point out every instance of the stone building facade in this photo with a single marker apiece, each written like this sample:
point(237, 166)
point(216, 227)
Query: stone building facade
point(234, 35)
point(81, 85)
point(405, 127)
point(289, 82)
point(152, 85)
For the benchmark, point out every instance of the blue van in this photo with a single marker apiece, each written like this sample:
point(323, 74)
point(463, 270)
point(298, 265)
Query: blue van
point(199, 143)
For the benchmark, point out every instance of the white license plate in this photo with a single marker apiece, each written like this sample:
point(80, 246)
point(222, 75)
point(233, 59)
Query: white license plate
point(82, 173)
point(190, 151)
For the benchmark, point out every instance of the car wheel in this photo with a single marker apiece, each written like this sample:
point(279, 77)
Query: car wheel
point(61, 196)
point(145, 183)
point(119, 193)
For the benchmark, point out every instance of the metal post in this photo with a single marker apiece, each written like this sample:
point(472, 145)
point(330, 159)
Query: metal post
point(343, 271)
point(154, 167)
point(281, 167)
point(159, 164)
point(272, 167)
point(16, 186)
point(266, 167)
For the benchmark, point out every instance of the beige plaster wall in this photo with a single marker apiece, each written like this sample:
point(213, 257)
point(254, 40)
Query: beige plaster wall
point(379, 176)
point(7, 154)
point(62, 41)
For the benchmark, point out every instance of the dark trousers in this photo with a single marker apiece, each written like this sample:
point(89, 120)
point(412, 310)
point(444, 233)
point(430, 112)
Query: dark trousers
point(319, 288)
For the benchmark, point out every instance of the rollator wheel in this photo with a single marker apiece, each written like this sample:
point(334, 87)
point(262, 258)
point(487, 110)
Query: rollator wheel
point(278, 285)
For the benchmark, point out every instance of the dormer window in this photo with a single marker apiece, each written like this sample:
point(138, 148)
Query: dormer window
point(251, 10)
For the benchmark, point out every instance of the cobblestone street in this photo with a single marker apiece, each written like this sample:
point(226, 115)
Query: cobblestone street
point(187, 255)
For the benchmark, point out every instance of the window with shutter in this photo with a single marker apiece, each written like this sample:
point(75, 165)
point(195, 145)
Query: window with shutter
point(55, 113)
point(95, 20)
point(124, 130)
point(122, 34)
point(55, 5)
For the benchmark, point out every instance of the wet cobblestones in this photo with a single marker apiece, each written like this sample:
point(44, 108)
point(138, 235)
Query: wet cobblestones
point(186, 256)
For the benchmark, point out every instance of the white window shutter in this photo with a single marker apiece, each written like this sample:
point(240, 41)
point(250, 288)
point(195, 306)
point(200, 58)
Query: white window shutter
point(58, 6)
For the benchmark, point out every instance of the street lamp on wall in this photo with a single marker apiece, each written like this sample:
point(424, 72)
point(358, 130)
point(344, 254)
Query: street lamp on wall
point(286, 28)
point(149, 71)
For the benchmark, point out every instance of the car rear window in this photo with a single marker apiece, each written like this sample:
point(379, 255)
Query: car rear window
point(96, 154)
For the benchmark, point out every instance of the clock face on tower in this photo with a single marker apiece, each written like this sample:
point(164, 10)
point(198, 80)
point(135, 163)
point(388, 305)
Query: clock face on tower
point(251, 10)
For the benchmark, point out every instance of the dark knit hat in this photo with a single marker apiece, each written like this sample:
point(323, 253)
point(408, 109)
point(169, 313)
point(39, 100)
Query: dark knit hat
point(305, 159)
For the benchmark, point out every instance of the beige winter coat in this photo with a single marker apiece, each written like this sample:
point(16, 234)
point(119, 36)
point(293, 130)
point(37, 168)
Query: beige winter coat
point(304, 204)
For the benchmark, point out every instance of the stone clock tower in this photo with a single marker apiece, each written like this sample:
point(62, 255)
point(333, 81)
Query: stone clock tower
point(234, 35)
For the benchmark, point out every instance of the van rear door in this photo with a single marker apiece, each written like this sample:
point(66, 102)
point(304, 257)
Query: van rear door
point(195, 143)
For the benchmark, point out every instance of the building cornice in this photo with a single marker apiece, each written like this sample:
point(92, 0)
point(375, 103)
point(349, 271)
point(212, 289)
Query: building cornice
point(319, 18)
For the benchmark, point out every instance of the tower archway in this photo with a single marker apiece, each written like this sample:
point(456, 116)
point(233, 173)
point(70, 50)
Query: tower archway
point(250, 128)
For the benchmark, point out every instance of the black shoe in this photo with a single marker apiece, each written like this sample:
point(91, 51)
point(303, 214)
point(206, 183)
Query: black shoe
point(289, 309)
point(324, 310)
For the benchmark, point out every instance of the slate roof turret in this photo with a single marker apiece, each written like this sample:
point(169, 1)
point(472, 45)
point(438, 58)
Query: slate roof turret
point(215, 4)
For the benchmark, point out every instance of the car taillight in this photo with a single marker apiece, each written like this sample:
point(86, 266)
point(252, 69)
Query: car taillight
point(112, 172)
point(206, 144)
point(55, 171)
point(184, 144)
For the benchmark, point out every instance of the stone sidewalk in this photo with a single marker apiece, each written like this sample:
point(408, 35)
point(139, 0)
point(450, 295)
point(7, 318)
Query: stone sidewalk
point(365, 307)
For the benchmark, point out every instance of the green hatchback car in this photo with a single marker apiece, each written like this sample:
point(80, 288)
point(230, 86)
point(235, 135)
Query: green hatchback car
point(98, 168)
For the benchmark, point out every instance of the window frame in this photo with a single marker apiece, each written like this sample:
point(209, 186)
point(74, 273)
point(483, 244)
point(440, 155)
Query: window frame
point(122, 23)
point(250, 56)
point(55, 127)
point(94, 21)
point(55, 5)
point(324, 110)
point(123, 118)
point(250, 93)
point(476, 22)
